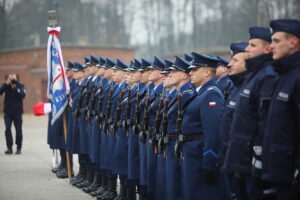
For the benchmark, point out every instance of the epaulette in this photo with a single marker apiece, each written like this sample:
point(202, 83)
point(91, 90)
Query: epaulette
point(211, 88)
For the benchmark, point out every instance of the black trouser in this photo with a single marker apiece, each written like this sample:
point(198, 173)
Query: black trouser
point(17, 119)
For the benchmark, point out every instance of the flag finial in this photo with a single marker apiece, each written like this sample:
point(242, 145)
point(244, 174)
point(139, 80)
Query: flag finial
point(52, 18)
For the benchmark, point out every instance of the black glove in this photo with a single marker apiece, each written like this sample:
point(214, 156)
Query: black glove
point(209, 176)
point(238, 181)
point(256, 169)
point(256, 173)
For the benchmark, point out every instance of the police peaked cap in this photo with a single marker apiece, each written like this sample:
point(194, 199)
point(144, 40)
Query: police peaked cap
point(181, 65)
point(286, 25)
point(70, 65)
point(167, 69)
point(260, 33)
point(158, 64)
point(120, 65)
point(238, 47)
point(201, 60)
point(94, 60)
point(188, 57)
point(135, 65)
point(87, 62)
point(145, 65)
point(77, 67)
point(109, 63)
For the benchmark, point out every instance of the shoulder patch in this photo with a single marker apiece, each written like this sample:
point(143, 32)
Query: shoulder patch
point(211, 88)
point(188, 91)
point(283, 96)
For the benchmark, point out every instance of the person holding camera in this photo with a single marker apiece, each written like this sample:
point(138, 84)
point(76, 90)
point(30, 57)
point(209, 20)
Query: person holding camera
point(13, 108)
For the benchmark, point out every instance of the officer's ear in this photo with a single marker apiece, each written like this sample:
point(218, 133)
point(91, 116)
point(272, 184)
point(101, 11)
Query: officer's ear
point(267, 48)
point(294, 42)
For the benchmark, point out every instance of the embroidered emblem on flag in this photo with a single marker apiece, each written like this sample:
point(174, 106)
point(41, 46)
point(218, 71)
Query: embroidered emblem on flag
point(212, 104)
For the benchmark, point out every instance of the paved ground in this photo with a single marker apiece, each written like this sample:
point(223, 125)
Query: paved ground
point(28, 176)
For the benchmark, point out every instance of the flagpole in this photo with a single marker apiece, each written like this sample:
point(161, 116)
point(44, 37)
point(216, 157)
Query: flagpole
point(53, 23)
point(67, 152)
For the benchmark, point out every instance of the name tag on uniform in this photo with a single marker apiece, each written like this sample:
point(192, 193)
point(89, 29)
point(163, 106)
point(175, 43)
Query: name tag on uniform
point(231, 104)
point(245, 93)
point(282, 96)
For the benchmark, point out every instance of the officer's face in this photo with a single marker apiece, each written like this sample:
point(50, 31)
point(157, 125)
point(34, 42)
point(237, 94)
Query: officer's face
point(154, 75)
point(137, 76)
point(168, 81)
point(145, 76)
point(93, 69)
point(221, 71)
point(78, 75)
point(197, 76)
point(237, 63)
point(100, 71)
point(118, 76)
point(108, 73)
point(282, 45)
point(88, 70)
point(175, 77)
point(70, 74)
point(257, 47)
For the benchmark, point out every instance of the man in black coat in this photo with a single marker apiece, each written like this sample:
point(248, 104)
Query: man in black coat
point(13, 108)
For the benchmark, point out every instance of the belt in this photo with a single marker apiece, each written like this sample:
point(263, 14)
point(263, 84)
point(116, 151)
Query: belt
point(170, 138)
point(189, 138)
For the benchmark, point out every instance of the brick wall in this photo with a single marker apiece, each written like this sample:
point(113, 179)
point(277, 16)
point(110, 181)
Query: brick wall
point(30, 65)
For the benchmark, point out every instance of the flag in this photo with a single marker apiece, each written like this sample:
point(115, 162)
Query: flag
point(212, 104)
point(58, 85)
point(41, 108)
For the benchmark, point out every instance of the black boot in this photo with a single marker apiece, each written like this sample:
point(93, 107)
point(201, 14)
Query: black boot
point(80, 176)
point(102, 189)
point(142, 191)
point(63, 171)
point(131, 194)
point(18, 150)
point(88, 181)
point(94, 186)
point(8, 151)
point(123, 193)
point(55, 169)
point(112, 191)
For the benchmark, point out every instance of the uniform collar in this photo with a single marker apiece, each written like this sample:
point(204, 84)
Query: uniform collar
point(287, 63)
point(211, 82)
point(238, 79)
point(258, 62)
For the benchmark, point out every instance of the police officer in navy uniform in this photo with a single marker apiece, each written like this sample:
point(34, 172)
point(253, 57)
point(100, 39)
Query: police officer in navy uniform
point(13, 108)
point(223, 81)
point(61, 171)
point(199, 137)
point(180, 80)
point(157, 78)
point(142, 188)
point(133, 140)
point(281, 142)
point(108, 91)
point(248, 124)
point(237, 75)
point(119, 78)
point(92, 137)
point(101, 87)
